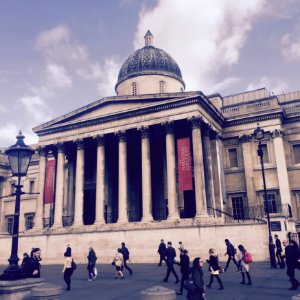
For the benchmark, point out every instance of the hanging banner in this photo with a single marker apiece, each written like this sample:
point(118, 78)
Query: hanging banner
point(184, 165)
point(49, 182)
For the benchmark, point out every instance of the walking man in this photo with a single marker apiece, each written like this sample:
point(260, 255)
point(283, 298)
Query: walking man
point(170, 256)
point(231, 253)
point(184, 269)
point(162, 252)
point(278, 249)
point(125, 253)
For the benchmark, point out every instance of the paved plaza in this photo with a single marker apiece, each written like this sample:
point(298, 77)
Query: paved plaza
point(267, 283)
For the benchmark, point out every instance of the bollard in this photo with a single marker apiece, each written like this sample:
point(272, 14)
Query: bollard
point(296, 297)
point(158, 292)
point(46, 291)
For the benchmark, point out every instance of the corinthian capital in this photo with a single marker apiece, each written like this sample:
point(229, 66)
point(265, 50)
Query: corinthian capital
point(121, 136)
point(79, 144)
point(196, 122)
point(60, 147)
point(169, 126)
point(277, 133)
point(100, 140)
point(145, 132)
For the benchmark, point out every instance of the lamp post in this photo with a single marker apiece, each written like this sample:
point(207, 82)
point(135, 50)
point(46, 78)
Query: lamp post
point(19, 156)
point(259, 135)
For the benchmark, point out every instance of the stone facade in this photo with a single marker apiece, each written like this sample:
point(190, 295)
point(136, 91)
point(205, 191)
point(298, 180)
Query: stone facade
point(116, 175)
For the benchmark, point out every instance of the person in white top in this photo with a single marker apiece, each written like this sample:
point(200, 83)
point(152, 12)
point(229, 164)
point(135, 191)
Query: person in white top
point(118, 262)
point(68, 270)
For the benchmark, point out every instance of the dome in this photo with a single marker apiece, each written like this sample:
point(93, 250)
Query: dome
point(149, 61)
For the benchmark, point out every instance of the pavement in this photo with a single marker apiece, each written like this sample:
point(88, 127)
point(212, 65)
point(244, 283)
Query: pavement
point(267, 283)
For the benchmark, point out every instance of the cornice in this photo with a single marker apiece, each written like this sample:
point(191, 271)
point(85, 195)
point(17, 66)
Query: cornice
point(200, 100)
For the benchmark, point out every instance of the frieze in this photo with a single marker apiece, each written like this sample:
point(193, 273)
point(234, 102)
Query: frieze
point(277, 133)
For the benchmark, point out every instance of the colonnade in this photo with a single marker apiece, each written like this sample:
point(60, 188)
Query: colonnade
point(199, 161)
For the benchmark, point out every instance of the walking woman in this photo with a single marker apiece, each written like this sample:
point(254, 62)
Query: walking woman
point(68, 270)
point(118, 262)
point(197, 277)
point(214, 268)
point(91, 264)
point(245, 267)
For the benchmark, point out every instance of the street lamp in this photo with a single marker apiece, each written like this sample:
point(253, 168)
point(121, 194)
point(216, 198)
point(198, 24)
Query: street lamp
point(259, 135)
point(19, 156)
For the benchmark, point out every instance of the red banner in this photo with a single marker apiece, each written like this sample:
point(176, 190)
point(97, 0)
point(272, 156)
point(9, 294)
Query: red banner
point(184, 164)
point(49, 182)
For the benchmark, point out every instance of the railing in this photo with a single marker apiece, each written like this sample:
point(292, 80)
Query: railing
point(160, 214)
point(295, 236)
point(111, 217)
point(47, 222)
point(134, 216)
point(67, 221)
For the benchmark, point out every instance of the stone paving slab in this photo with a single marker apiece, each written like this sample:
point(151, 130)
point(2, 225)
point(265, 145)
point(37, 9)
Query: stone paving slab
point(267, 283)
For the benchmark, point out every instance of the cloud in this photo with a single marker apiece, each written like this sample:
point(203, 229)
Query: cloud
point(57, 74)
point(225, 84)
point(291, 47)
point(204, 37)
point(36, 108)
point(57, 45)
point(276, 85)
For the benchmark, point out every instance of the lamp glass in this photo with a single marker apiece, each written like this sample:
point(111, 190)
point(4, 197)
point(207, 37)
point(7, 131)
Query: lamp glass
point(259, 133)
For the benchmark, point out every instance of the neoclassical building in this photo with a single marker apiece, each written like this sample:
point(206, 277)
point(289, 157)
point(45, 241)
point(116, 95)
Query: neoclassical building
point(157, 162)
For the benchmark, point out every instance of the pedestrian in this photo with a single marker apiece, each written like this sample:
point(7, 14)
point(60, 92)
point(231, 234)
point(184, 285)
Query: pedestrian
point(180, 248)
point(184, 269)
point(291, 259)
point(245, 264)
point(170, 257)
point(198, 292)
point(278, 250)
point(68, 270)
point(25, 259)
point(230, 251)
point(214, 268)
point(118, 263)
point(125, 253)
point(91, 264)
point(31, 265)
point(162, 252)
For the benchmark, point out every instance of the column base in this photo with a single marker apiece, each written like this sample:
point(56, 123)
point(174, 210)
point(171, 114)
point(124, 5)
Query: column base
point(57, 226)
point(201, 216)
point(173, 217)
point(147, 220)
point(99, 223)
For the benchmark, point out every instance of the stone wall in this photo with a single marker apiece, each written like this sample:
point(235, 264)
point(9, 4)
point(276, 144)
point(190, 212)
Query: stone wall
point(142, 242)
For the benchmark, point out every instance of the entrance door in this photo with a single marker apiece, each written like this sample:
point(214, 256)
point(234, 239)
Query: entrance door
point(89, 206)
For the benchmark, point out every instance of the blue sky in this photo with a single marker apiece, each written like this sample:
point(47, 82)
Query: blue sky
point(58, 55)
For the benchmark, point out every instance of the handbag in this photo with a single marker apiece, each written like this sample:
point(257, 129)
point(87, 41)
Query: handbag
point(73, 265)
point(189, 285)
point(113, 263)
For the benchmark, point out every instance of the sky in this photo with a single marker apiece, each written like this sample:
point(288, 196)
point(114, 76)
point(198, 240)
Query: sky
point(59, 55)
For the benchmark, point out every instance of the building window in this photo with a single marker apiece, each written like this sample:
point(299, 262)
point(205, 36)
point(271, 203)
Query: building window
point(233, 158)
point(265, 153)
point(134, 88)
point(272, 203)
point(238, 208)
point(29, 221)
point(9, 224)
point(31, 186)
point(162, 87)
point(296, 150)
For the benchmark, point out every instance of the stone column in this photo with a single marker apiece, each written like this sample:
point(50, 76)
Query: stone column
point(79, 184)
point(217, 169)
point(209, 171)
point(59, 190)
point(100, 185)
point(248, 168)
point(283, 180)
point(146, 175)
point(200, 195)
point(123, 201)
point(39, 211)
point(171, 172)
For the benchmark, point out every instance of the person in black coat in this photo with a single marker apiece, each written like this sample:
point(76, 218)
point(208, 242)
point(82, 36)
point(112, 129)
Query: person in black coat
point(162, 252)
point(230, 251)
point(31, 266)
point(170, 257)
point(278, 249)
point(91, 264)
point(291, 258)
point(184, 269)
point(125, 253)
point(197, 277)
point(214, 268)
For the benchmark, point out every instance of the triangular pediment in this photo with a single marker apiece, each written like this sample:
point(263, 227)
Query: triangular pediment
point(107, 107)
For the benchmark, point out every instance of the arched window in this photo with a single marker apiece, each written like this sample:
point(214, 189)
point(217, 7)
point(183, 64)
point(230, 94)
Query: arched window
point(133, 88)
point(162, 87)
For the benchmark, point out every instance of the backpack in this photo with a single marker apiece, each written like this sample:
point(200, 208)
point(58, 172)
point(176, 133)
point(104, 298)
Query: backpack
point(247, 258)
point(74, 265)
